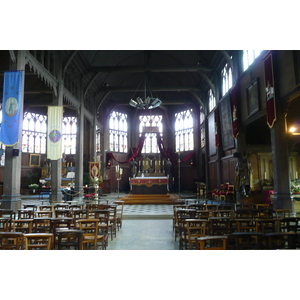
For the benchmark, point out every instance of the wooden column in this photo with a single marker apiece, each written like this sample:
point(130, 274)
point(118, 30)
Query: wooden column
point(11, 198)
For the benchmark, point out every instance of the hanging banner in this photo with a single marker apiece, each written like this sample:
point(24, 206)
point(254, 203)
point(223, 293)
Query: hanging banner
point(54, 133)
point(12, 92)
point(270, 95)
point(94, 169)
point(235, 127)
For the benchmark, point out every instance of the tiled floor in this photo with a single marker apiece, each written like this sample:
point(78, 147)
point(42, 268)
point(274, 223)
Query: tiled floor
point(144, 235)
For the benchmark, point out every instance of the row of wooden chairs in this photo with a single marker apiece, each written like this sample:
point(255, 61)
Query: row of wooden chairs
point(211, 225)
point(58, 232)
point(197, 228)
point(250, 241)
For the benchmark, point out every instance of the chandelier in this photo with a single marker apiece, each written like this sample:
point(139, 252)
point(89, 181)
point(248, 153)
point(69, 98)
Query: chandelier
point(148, 102)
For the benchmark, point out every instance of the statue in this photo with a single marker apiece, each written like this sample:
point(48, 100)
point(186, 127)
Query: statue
point(168, 167)
point(134, 167)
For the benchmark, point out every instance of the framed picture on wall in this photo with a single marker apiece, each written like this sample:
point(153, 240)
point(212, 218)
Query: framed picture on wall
point(35, 160)
point(252, 97)
point(226, 123)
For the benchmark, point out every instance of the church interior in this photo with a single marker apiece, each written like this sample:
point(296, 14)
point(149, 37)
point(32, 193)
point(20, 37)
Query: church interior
point(190, 129)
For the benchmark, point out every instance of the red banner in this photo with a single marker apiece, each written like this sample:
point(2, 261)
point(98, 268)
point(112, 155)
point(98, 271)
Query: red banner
point(234, 106)
point(270, 94)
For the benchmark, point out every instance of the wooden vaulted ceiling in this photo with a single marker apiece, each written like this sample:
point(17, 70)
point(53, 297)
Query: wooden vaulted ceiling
point(112, 77)
point(176, 77)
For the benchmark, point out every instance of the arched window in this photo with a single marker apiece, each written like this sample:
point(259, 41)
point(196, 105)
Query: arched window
point(69, 135)
point(118, 140)
point(184, 131)
point(249, 56)
point(226, 79)
point(150, 143)
point(211, 100)
point(34, 133)
point(202, 127)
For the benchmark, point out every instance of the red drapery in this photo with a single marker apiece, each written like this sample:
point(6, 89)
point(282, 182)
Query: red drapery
point(137, 151)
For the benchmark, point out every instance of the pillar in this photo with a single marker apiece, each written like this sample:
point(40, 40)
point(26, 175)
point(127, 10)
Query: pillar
point(11, 198)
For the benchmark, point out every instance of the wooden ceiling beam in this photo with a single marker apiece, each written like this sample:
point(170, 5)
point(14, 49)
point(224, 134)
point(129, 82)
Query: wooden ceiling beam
point(148, 68)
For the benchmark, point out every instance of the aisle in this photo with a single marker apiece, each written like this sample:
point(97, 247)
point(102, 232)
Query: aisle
point(144, 235)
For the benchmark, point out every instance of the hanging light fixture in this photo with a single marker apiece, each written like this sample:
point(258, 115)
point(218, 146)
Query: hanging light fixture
point(148, 102)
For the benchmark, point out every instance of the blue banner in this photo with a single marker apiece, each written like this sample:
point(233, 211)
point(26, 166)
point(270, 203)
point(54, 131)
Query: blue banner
point(12, 91)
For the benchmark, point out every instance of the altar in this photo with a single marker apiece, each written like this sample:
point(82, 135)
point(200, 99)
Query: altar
point(149, 185)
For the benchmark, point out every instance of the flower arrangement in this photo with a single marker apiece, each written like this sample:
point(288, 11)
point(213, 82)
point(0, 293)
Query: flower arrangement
point(295, 187)
point(33, 186)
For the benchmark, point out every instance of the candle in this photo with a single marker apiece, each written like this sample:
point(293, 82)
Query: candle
point(121, 171)
point(296, 175)
point(265, 175)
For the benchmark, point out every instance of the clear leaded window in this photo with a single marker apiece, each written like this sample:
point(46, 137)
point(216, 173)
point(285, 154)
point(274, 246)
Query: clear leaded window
point(211, 100)
point(226, 79)
point(249, 56)
point(118, 140)
point(202, 127)
point(98, 148)
point(150, 143)
point(69, 135)
point(34, 133)
point(184, 131)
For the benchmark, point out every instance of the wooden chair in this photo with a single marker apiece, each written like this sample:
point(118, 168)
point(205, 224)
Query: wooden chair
point(41, 225)
point(281, 240)
point(90, 235)
point(38, 241)
point(78, 214)
point(11, 240)
point(103, 225)
point(69, 239)
point(217, 242)
point(58, 224)
point(247, 225)
point(245, 214)
point(22, 225)
point(282, 213)
point(291, 224)
point(5, 224)
point(113, 221)
point(245, 241)
point(44, 214)
point(268, 225)
point(195, 228)
point(62, 213)
point(219, 226)
point(25, 214)
point(30, 206)
point(202, 214)
point(183, 214)
point(120, 210)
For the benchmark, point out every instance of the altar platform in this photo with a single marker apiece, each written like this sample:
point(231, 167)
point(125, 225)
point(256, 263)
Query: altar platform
point(149, 199)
